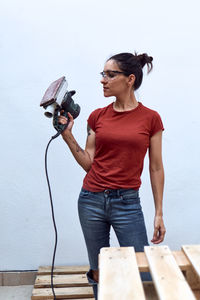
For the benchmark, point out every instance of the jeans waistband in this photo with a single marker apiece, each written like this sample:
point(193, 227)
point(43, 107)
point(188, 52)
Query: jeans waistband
point(113, 192)
point(118, 192)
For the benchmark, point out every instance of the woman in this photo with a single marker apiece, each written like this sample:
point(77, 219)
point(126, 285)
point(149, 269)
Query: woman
point(118, 138)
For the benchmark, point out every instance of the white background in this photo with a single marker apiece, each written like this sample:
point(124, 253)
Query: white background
point(40, 41)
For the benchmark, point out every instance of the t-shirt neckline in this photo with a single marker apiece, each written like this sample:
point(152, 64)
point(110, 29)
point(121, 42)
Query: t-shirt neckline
point(126, 111)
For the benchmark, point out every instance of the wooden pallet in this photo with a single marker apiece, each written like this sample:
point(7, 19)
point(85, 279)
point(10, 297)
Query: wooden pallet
point(70, 282)
point(119, 278)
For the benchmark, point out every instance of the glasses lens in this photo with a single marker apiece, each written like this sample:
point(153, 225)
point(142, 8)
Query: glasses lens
point(109, 74)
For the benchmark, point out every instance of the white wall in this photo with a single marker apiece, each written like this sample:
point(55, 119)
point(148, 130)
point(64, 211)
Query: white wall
point(44, 40)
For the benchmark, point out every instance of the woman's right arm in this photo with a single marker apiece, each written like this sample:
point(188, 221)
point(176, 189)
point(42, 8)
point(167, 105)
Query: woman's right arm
point(83, 157)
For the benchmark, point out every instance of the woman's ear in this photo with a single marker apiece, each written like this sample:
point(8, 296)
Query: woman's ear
point(131, 80)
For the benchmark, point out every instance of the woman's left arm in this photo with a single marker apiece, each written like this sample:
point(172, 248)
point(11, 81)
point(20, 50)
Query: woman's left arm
point(156, 171)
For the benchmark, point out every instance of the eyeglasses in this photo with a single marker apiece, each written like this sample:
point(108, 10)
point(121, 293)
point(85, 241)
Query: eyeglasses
point(110, 74)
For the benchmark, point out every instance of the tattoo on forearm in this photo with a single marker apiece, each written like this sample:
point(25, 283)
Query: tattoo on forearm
point(78, 148)
point(88, 130)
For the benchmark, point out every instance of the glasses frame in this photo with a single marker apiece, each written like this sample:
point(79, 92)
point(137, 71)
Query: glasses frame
point(103, 74)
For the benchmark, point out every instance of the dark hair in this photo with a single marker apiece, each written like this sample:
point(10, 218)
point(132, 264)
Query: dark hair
point(132, 64)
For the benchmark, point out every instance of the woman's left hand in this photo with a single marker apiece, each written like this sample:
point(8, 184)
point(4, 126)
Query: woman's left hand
point(159, 230)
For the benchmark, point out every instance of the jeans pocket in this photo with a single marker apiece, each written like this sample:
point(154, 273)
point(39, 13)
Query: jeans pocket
point(131, 198)
point(84, 193)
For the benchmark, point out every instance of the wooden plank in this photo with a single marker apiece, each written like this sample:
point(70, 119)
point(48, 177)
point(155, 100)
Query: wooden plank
point(63, 293)
point(46, 270)
point(168, 278)
point(193, 254)
point(72, 280)
point(142, 262)
point(119, 275)
point(197, 294)
point(179, 256)
point(192, 279)
point(149, 290)
point(181, 260)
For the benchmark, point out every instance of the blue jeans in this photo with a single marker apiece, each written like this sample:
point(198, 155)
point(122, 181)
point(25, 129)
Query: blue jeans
point(121, 209)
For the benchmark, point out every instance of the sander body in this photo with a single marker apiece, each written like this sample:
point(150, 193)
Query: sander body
point(58, 99)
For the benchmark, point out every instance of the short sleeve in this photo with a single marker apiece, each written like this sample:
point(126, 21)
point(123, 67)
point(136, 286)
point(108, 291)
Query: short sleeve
point(93, 119)
point(156, 124)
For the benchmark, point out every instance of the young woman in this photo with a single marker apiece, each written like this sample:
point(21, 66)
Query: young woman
point(118, 138)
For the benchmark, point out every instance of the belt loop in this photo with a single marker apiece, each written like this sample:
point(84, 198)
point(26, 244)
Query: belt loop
point(118, 193)
point(106, 193)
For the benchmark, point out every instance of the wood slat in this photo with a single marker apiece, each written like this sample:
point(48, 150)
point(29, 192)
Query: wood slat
point(149, 290)
point(168, 278)
point(63, 293)
point(142, 262)
point(46, 270)
point(181, 260)
point(179, 256)
point(193, 254)
point(119, 275)
point(70, 280)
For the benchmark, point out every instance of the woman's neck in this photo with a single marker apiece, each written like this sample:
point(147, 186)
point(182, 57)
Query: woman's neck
point(125, 103)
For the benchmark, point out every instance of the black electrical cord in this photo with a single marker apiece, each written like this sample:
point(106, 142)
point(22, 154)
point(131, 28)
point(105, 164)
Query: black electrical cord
point(52, 211)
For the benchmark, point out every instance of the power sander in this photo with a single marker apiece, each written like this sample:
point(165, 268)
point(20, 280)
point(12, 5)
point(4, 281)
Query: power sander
point(56, 99)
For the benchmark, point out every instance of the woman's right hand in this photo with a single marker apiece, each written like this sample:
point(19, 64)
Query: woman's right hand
point(63, 120)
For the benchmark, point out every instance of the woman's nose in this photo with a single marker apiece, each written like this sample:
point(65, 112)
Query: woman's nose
point(103, 80)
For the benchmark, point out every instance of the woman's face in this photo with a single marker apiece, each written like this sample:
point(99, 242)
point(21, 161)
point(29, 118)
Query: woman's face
point(114, 84)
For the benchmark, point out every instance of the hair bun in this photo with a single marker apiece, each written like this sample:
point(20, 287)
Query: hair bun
point(145, 59)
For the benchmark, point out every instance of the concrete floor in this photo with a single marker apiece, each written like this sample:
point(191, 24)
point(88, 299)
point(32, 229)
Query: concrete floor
point(21, 292)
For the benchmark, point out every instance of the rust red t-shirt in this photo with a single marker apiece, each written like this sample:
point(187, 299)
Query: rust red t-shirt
point(122, 140)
